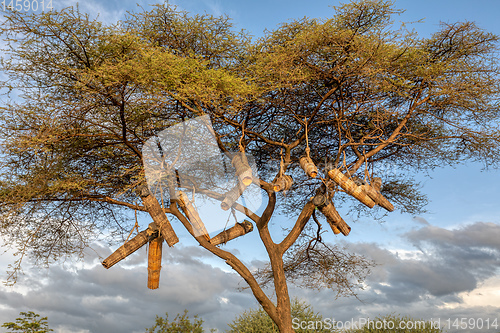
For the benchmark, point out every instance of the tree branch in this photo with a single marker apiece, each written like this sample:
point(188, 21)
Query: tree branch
point(299, 226)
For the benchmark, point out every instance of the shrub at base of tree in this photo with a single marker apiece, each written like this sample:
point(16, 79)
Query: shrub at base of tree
point(181, 324)
point(257, 321)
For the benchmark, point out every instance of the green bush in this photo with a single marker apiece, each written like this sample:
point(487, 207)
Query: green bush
point(180, 324)
point(30, 322)
point(257, 321)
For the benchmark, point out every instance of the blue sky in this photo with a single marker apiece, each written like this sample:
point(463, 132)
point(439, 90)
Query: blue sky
point(444, 263)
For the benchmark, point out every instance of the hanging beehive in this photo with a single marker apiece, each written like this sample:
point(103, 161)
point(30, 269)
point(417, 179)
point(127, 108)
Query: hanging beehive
point(238, 230)
point(282, 183)
point(377, 183)
point(308, 166)
point(334, 219)
point(232, 195)
point(154, 262)
point(243, 170)
point(335, 230)
point(158, 215)
point(325, 206)
point(127, 249)
point(192, 215)
point(378, 198)
point(320, 199)
point(350, 187)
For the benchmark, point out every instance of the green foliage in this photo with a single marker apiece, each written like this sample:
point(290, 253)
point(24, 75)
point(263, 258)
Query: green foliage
point(257, 321)
point(180, 324)
point(30, 322)
point(397, 324)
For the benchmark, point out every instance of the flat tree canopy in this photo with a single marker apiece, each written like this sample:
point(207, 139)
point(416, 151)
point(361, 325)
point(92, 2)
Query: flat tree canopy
point(353, 93)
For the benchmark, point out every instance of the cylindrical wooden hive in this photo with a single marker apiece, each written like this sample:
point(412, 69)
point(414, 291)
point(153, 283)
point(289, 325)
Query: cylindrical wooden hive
point(283, 183)
point(335, 230)
point(238, 230)
point(350, 187)
point(308, 166)
point(377, 183)
point(232, 195)
point(335, 220)
point(192, 215)
point(154, 262)
point(126, 249)
point(158, 215)
point(243, 170)
point(377, 197)
point(320, 200)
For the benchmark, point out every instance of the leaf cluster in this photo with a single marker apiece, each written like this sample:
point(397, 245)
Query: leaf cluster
point(30, 322)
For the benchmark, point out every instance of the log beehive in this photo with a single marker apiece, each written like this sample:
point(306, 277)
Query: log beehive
point(127, 249)
point(238, 230)
point(308, 166)
point(350, 187)
point(377, 183)
point(192, 215)
point(378, 198)
point(320, 200)
point(334, 219)
point(282, 183)
point(232, 195)
point(154, 262)
point(158, 215)
point(243, 170)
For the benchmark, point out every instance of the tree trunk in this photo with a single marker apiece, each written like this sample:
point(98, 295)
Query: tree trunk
point(283, 307)
point(283, 298)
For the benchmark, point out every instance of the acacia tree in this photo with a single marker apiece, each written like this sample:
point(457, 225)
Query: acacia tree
point(349, 95)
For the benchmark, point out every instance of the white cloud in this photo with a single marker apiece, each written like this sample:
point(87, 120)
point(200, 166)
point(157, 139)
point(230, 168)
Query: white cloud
point(486, 294)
